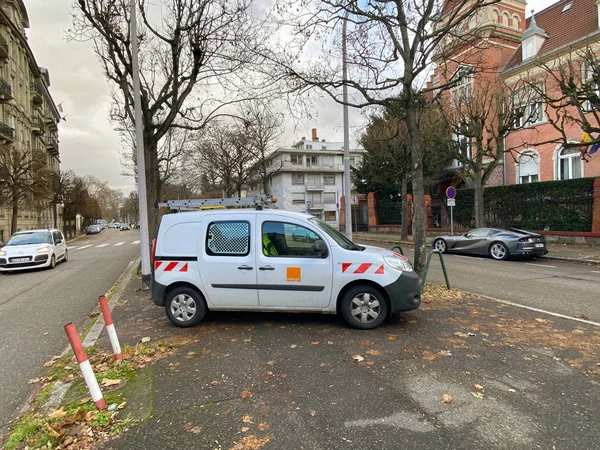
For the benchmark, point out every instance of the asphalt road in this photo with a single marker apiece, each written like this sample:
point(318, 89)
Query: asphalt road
point(560, 287)
point(36, 304)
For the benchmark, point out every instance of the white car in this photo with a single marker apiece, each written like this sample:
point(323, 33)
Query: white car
point(33, 248)
point(237, 260)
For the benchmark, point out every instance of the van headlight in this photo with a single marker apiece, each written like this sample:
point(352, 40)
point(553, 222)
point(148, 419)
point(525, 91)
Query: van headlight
point(398, 263)
point(43, 249)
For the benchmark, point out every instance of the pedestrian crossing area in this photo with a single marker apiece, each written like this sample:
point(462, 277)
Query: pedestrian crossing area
point(117, 244)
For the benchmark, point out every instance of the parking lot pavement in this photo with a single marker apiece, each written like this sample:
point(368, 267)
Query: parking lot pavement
point(460, 372)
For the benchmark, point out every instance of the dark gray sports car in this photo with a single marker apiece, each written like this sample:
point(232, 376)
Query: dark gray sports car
point(499, 243)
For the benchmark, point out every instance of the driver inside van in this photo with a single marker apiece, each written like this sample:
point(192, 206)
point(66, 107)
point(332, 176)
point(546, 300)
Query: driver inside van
point(269, 238)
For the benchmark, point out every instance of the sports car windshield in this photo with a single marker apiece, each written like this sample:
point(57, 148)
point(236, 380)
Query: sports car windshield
point(338, 237)
point(40, 237)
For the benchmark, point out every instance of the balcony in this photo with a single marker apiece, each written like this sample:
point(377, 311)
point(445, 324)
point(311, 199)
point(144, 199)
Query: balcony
point(52, 145)
point(37, 124)
point(6, 133)
point(3, 47)
point(5, 91)
point(36, 92)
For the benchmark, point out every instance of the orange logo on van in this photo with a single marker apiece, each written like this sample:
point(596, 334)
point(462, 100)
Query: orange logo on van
point(293, 274)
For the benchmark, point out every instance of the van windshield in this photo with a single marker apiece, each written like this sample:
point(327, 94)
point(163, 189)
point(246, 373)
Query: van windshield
point(334, 234)
point(39, 237)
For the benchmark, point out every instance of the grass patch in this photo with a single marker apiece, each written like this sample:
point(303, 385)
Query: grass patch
point(29, 430)
point(43, 396)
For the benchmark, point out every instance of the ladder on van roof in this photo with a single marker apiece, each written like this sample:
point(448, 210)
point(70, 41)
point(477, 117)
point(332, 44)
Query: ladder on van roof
point(215, 203)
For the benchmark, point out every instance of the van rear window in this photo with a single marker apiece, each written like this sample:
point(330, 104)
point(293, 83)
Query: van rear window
point(228, 238)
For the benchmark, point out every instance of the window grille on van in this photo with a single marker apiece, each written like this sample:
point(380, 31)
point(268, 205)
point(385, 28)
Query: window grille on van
point(231, 238)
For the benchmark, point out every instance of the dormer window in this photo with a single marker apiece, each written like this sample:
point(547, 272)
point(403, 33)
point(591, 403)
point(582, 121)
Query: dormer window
point(567, 7)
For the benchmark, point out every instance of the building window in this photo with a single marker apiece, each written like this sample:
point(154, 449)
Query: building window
point(464, 146)
point(569, 164)
point(353, 161)
point(296, 160)
point(528, 106)
point(529, 168)
point(314, 198)
point(329, 198)
point(330, 216)
point(312, 161)
point(462, 91)
point(309, 147)
point(298, 198)
point(297, 178)
point(329, 180)
point(328, 161)
point(589, 89)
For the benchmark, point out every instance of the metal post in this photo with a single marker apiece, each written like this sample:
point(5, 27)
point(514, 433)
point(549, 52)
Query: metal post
point(451, 223)
point(347, 200)
point(141, 164)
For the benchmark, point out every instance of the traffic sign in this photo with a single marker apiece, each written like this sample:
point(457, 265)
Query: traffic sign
point(451, 202)
point(451, 192)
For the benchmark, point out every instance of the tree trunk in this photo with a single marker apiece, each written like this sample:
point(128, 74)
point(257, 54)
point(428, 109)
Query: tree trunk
point(54, 216)
point(478, 198)
point(418, 184)
point(404, 190)
point(153, 186)
point(15, 213)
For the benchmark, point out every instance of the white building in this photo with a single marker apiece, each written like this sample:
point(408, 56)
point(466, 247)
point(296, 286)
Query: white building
point(308, 176)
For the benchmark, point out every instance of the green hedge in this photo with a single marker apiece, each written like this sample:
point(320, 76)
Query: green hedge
point(565, 205)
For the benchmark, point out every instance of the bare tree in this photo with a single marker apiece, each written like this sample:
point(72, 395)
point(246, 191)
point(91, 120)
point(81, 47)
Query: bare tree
point(23, 176)
point(390, 48)
point(191, 62)
point(108, 198)
point(78, 201)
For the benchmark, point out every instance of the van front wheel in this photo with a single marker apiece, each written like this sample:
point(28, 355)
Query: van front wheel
point(364, 307)
point(185, 307)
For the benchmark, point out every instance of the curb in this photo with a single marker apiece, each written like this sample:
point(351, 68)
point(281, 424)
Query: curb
point(60, 389)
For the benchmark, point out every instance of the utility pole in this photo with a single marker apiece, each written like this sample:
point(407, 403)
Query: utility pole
point(347, 200)
point(141, 164)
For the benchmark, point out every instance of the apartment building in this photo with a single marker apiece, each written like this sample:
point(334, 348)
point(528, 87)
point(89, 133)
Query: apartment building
point(308, 176)
point(28, 115)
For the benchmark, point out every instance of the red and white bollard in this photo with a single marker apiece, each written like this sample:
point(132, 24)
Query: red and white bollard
point(85, 366)
point(110, 328)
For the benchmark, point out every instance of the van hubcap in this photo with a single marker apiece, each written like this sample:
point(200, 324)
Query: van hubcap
point(365, 308)
point(183, 307)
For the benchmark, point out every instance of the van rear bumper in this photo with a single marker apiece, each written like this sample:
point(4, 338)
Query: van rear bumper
point(405, 292)
point(158, 293)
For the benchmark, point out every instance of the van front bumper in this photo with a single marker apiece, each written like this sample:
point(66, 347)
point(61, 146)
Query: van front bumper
point(405, 292)
point(158, 293)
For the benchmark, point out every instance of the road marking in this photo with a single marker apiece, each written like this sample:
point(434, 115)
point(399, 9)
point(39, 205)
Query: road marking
point(595, 271)
point(135, 242)
point(101, 245)
point(541, 265)
point(72, 247)
point(84, 246)
point(119, 243)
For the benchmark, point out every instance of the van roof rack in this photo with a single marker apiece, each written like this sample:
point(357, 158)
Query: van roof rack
point(216, 203)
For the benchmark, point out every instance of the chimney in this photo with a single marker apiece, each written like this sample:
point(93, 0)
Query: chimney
point(323, 140)
point(303, 138)
point(314, 134)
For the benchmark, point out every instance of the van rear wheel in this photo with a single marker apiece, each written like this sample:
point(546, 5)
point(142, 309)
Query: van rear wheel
point(185, 307)
point(364, 307)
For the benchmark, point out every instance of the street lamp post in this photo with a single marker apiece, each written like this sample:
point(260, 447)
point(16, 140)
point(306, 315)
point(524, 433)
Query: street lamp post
point(141, 165)
point(347, 200)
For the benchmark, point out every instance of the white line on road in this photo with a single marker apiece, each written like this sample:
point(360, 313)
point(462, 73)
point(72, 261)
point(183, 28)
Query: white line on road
point(101, 245)
point(84, 246)
point(541, 265)
point(595, 271)
point(135, 242)
point(119, 243)
point(72, 247)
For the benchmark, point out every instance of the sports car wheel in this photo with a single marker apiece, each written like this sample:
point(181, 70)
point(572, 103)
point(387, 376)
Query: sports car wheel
point(185, 307)
point(440, 245)
point(364, 307)
point(498, 251)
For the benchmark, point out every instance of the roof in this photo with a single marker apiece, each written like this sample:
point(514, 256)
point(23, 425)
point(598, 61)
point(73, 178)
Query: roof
point(577, 22)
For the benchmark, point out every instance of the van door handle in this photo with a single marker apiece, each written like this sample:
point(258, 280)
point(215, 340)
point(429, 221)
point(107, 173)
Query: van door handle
point(266, 268)
point(245, 267)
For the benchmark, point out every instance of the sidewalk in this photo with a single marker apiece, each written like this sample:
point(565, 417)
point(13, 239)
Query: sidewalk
point(579, 253)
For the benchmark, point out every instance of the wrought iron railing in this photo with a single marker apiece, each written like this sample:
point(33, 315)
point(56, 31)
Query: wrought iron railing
point(5, 88)
point(6, 131)
point(3, 44)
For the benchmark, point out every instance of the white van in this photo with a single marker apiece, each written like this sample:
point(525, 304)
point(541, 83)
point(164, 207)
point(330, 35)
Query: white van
point(272, 260)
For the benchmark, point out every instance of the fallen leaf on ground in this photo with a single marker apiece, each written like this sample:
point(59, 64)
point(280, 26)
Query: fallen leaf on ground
point(313, 413)
point(85, 400)
point(251, 443)
point(477, 394)
point(57, 414)
point(374, 352)
point(358, 358)
point(446, 399)
point(461, 334)
point(429, 356)
point(293, 346)
point(445, 353)
point(392, 337)
point(244, 429)
point(121, 405)
point(246, 394)
point(315, 343)
point(479, 387)
point(110, 382)
point(51, 431)
point(247, 418)
point(262, 426)
point(144, 340)
point(34, 380)
point(537, 319)
point(473, 356)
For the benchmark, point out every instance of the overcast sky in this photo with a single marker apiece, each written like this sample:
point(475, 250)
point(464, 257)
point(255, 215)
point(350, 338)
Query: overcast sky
point(88, 143)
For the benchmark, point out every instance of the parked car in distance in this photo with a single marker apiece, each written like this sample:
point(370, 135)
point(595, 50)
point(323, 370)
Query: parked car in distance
point(124, 227)
point(93, 229)
point(498, 243)
point(33, 248)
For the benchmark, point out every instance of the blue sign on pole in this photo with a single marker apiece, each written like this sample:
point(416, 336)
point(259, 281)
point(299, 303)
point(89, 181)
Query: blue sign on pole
point(451, 192)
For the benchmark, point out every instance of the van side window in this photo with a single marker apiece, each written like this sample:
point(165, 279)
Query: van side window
point(288, 239)
point(228, 238)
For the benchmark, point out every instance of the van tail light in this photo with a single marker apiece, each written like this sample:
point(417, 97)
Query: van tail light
point(153, 250)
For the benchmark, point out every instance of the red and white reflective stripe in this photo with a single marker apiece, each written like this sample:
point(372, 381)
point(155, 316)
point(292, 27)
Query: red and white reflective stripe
point(171, 266)
point(362, 268)
point(110, 328)
point(85, 366)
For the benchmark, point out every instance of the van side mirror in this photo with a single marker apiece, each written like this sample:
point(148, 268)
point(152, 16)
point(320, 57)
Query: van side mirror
point(320, 248)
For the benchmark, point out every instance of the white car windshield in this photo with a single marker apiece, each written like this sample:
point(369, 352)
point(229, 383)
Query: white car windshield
point(338, 237)
point(38, 237)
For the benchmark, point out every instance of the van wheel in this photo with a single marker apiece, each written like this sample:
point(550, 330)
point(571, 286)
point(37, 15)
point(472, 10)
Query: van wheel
point(364, 307)
point(185, 307)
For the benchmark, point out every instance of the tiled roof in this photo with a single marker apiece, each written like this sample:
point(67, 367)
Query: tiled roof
point(577, 22)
